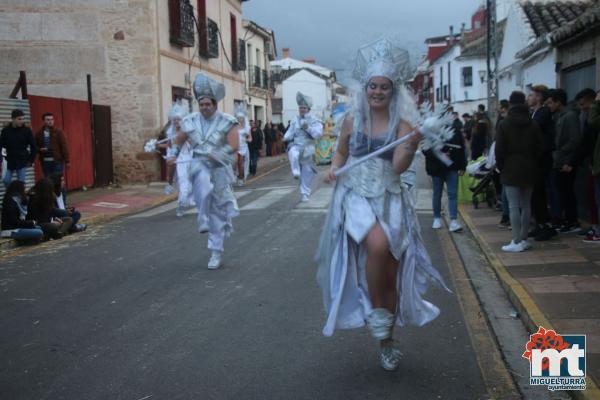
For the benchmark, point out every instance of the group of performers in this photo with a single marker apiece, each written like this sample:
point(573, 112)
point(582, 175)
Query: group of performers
point(373, 267)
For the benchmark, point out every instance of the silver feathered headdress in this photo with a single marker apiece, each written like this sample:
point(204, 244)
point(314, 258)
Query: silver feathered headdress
point(205, 86)
point(381, 58)
point(240, 110)
point(179, 110)
point(303, 100)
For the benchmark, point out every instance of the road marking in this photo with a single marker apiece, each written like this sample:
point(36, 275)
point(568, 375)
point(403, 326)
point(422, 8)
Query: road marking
point(319, 199)
point(266, 200)
point(155, 211)
point(107, 204)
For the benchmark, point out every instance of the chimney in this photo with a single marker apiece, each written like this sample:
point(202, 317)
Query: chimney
point(451, 37)
point(462, 31)
point(309, 60)
point(286, 52)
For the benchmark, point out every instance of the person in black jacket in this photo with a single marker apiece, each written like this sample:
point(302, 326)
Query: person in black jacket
point(14, 211)
point(42, 208)
point(539, 199)
point(518, 149)
point(255, 146)
point(441, 173)
point(20, 147)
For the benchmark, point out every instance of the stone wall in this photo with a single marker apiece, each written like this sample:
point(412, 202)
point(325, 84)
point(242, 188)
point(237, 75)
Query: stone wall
point(58, 42)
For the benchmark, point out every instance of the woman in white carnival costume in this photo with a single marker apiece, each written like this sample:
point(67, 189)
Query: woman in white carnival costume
point(303, 133)
point(214, 139)
point(179, 111)
point(243, 153)
point(373, 265)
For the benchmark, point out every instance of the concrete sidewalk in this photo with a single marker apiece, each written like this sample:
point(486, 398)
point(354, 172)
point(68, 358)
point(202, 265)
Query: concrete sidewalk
point(556, 284)
point(99, 205)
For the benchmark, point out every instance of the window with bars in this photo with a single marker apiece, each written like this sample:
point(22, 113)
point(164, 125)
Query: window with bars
point(467, 76)
point(181, 23)
point(213, 38)
point(265, 79)
point(241, 65)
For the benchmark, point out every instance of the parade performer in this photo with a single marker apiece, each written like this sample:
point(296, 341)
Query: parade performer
point(373, 265)
point(214, 139)
point(243, 153)
point(302, 134)
point(179, 110)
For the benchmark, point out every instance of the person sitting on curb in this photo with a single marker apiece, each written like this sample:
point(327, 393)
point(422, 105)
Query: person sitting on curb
point(14, 211)
point(62, 210)
point(42, 208)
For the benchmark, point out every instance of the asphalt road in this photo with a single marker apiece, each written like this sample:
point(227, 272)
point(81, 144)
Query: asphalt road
point(129, 310)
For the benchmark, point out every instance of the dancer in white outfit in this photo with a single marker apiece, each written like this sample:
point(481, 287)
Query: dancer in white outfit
point(243, 153)
point(213, 137)
point(179, 110)
point(373, 265)
point(303, 133)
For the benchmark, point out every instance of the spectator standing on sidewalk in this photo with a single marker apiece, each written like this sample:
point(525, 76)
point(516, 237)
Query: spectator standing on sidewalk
point(440, 174)
point(15, 225)
point(539, 199)
point(268, 139)
point(52, 144)
point(593, 121)
point(567, 141)
point(479, 136)
point(255, 146)
point(518, 149)
point(584, 100)
point(468, 126)
point(20, 147)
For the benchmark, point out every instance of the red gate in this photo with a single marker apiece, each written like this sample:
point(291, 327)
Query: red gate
point(73, 117)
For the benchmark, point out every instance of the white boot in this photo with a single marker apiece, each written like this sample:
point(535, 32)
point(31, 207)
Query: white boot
point(380, 323)
point(215, 260)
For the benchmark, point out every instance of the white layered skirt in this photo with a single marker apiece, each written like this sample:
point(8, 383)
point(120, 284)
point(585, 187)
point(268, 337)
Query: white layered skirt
point(342, 258)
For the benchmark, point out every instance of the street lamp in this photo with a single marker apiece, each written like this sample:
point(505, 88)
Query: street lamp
point(482, 75)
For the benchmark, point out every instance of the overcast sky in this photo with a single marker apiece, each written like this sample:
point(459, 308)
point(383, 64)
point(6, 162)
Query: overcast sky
point(332, 30)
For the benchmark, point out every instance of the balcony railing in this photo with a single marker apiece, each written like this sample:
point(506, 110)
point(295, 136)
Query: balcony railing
point(258, 77)
point(181, 23)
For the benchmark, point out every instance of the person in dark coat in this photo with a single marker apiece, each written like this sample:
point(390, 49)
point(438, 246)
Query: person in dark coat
point(15, 225)
point(565, 158)
point(255, 146)
point(17, 139)
point(42, 208)
point(441, 173)
point(540, 197)
point(518, 150)
point(479, 136)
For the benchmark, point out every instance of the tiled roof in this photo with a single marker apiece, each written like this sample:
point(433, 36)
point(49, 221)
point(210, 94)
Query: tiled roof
point(555, 21)
point(477, 47)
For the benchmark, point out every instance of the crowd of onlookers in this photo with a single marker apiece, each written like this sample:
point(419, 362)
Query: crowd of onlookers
point(271, 136)
point(40, 213)
point(541, 142)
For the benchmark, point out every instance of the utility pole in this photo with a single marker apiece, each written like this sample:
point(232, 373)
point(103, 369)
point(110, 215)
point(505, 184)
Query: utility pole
point(492, 57)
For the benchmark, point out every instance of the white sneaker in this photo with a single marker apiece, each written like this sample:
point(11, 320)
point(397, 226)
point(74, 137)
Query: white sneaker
point(215, 260)
point(526, 244)
point(513, 247)
point(169, 190)
point(455, 226)
point(179, 212)
point(305, 198)
point(389, 356)
point(203, 228)
point(437, 223)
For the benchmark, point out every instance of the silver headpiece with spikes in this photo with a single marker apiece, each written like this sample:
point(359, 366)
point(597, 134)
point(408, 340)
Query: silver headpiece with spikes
point(240, 110)
point(381, 58)
point(303, 100)
point(204, 86)
point(179, 110)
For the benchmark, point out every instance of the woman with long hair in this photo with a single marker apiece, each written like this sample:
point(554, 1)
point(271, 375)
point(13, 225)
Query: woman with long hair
point(42, 208)
point(373, 265)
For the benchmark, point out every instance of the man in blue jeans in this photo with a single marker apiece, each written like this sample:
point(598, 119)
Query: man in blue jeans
point(20, 147)
point(449, 174)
